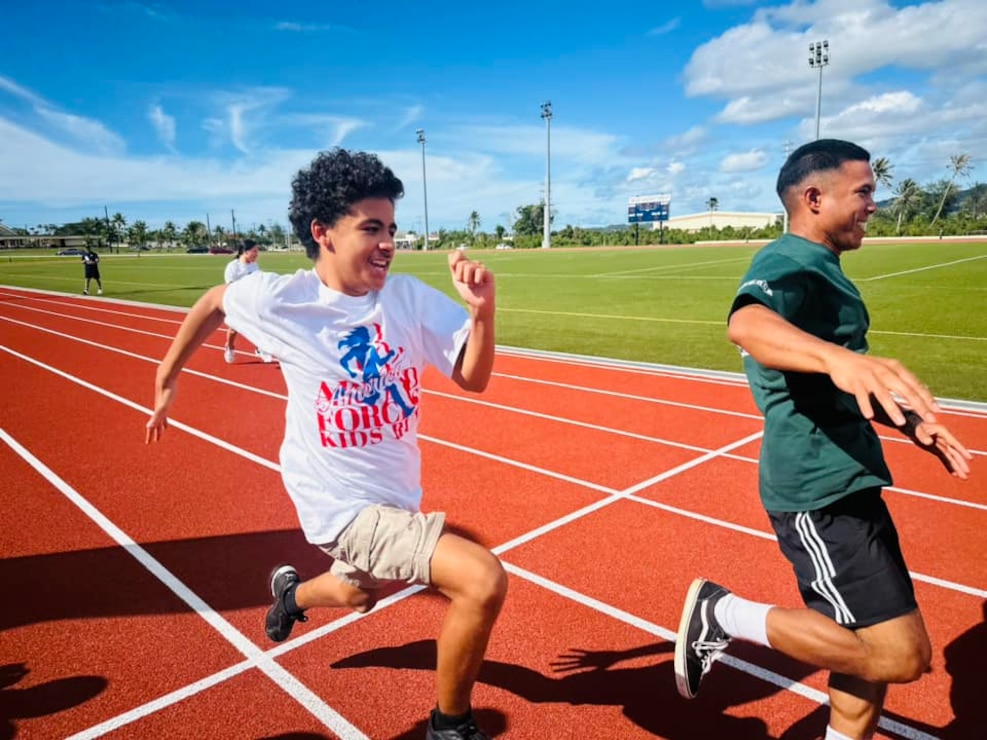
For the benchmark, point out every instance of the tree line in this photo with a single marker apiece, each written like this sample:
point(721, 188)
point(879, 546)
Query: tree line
point(936, 208)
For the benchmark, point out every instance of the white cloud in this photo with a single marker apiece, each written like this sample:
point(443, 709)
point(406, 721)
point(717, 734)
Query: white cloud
point(89, 133)
point(744, 162)
point(675, 168)
point(641, 173)
point(666, 27)
point(163, 124)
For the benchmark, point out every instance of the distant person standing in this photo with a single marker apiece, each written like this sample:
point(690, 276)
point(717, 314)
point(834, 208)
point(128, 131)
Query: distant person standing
point(90, 262)
point(244, 264)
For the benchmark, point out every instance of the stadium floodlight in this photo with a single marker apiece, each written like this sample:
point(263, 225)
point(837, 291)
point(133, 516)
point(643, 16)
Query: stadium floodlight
point(421, 140)
point(546, 113)
point(818, 58)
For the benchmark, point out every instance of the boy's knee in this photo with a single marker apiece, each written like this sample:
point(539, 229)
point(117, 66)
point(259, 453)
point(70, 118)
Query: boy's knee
point(488, 586)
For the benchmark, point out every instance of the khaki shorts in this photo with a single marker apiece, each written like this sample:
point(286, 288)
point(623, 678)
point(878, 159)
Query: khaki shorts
point(384, 544)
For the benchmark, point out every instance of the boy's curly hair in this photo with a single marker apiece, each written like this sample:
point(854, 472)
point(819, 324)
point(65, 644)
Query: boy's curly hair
point(327, 189)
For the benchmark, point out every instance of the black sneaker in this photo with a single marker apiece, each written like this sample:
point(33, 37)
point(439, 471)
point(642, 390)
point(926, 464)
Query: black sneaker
point(466, 731)
point(279, 620)
point(701, 640)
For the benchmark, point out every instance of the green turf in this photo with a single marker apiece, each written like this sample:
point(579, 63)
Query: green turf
point(653, 305)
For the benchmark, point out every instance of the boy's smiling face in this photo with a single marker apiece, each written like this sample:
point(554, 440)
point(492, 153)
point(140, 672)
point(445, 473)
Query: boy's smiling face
point(355, 253)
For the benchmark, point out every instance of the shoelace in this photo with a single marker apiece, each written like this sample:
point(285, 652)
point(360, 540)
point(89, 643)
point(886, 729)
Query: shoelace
point(708, 651)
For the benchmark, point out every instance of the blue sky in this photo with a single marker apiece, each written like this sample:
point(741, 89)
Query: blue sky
point(176, 109)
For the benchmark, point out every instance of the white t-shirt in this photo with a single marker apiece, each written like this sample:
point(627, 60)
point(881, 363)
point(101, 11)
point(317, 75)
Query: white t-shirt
point(353, 368)
point(238, 269)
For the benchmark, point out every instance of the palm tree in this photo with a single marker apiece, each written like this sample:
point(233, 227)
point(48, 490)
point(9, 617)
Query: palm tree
point(960, 166)
point(117, 225)
point(169, 233)
point(138, 234)
point(882, 171)
point(472, 225)
point(713, 204)
point(906, 194)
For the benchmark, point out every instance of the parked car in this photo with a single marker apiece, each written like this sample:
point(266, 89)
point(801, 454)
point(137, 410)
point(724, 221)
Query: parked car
point(71, 252)
point(502, 245)
point(198, 250)
point(221, 250)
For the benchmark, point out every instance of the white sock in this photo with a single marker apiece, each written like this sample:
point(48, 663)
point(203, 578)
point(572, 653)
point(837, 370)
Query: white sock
point(832, 734)
point(745, 619)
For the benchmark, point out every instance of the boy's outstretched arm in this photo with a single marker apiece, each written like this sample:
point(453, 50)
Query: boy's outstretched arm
point(202, 320)
point(475, 285)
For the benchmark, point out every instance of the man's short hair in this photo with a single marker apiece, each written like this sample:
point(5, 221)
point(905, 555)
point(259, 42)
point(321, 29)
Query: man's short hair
point(817, 156)
point(327, 189)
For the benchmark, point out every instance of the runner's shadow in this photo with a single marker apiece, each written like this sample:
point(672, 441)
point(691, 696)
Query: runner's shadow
point(41, 700)
point(647, 694)
point(964, 663)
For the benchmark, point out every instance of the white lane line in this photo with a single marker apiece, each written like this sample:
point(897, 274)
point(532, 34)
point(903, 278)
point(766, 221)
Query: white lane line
point(286, 681)
point(710, 454)
point(614, 496)
point(663, 633)
point(154, 360)
point(921, 269)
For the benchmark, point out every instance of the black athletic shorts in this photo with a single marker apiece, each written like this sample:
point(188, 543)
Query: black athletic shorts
point(847, 560)
point(92, 272)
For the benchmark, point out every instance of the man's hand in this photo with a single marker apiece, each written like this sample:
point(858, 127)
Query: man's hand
point(940, 442)
point(866, 376)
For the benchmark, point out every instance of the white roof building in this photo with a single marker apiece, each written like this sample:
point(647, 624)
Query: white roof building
point(720, 220)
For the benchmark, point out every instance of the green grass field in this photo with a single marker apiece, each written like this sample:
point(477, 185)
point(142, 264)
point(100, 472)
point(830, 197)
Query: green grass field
point(928, 302)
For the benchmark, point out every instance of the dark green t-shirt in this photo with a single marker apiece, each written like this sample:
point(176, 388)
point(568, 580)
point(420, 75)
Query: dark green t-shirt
point(817, 446)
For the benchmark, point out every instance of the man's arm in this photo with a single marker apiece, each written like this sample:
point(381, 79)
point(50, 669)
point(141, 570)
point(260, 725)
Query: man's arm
point(201, 321)
point(778, 344)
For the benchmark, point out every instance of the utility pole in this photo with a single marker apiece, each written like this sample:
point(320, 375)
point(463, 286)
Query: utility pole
point(818, 58)
point(546, 113)
point(421, 140)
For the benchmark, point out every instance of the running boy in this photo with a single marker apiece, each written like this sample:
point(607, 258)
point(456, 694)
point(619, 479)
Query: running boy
point(244, 264)
point(802, 326)
point(353, 344)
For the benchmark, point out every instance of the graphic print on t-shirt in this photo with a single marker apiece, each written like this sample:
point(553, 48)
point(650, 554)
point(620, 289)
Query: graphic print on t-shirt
point(381, 400)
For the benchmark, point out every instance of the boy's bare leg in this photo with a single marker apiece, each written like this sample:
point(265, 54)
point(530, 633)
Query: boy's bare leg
point(475, 582)
point(327, 590)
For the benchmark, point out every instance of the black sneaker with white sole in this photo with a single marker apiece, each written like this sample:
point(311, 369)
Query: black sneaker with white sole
point(466, 731)
point(279, 620)
point(701, 640)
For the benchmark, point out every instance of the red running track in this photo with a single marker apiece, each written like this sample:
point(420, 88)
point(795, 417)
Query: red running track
point(134, 577)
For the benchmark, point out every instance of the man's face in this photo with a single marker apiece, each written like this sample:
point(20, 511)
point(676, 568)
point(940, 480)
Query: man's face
point(846, 202)
point(356, 251)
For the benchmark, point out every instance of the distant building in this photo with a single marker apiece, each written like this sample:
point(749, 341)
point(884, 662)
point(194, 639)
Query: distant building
point(409, 239)
point(10, 239)
point(720, 220)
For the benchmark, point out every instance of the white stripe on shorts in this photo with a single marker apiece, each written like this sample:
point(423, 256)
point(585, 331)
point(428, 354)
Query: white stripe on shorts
point(823, 583)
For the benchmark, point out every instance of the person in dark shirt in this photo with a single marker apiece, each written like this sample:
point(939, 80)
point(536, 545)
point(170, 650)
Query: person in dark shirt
point(802, 327)
point(90, 262)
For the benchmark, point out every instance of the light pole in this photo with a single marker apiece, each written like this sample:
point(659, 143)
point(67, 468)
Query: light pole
point(421, 140)
point(546, 113)
point(818, 58)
